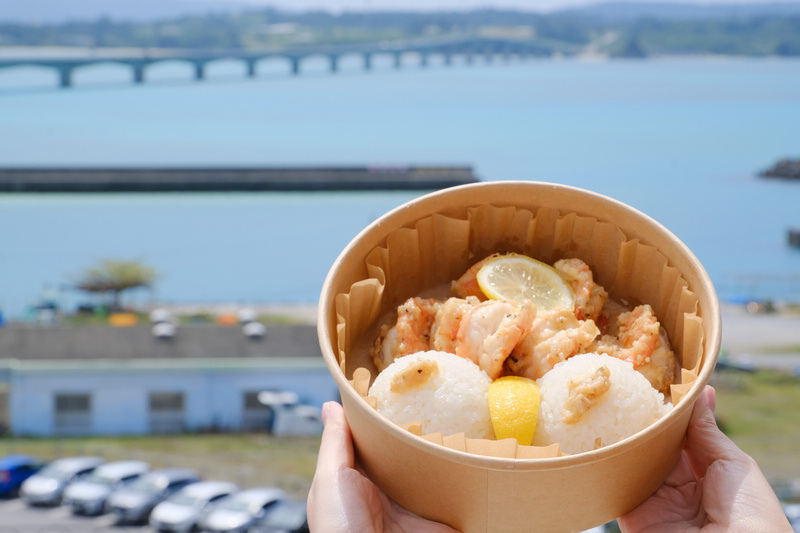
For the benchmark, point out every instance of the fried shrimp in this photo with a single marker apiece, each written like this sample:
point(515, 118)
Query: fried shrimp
point(490, 330)
point(555, 336)
point(467, 284)
point(444, 331)
point(512, 336)
point(584, 393)
point(589, 296)
point(410, 334)
point(640, 341)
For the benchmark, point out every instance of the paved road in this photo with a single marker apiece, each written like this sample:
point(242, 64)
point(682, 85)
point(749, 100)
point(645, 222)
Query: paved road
point(743, 331)
point(18, 517)
point(761, 340)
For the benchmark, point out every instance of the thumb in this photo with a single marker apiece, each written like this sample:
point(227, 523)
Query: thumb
point(705, 442)
point(325, 505)
point(336, 448)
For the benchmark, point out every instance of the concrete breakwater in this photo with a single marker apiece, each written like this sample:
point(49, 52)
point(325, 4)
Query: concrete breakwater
point(233, 179)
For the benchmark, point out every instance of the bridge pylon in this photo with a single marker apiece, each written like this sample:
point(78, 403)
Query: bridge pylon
point(65, 76)
point(138, 73)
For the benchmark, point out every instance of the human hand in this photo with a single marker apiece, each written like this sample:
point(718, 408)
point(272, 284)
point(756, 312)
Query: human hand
point(714, 487)
point(343, 500)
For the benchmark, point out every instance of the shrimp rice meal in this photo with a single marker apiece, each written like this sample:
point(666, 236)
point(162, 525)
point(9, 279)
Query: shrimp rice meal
point(590, 371)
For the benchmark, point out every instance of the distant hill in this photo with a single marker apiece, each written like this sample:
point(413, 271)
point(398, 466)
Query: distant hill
point(633, 30)
point(629, 11)
point(60, 11)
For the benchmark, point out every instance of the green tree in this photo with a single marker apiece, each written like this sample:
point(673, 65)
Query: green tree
point(115, 276)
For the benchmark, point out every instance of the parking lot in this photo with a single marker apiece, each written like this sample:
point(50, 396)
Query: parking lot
point(18, 517)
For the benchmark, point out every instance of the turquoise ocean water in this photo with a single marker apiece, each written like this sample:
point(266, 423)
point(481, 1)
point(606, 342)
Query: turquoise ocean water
point(680, 139)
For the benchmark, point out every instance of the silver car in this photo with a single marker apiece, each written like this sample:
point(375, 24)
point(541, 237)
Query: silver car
point(47, 486)
point(134, 503)
point(88, 496)
point(181, 512)
point(237, 512)
point(288, 516)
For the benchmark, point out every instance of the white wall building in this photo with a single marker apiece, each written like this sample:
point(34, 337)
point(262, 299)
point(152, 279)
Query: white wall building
point(93, 388)
point(139, 397)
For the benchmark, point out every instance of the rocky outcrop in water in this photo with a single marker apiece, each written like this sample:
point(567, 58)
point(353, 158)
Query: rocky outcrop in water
point(785, 168)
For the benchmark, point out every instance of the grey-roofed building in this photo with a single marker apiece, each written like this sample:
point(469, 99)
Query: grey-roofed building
point(126, 380)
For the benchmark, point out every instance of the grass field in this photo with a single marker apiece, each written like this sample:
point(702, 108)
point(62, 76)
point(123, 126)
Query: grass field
point(759, 412)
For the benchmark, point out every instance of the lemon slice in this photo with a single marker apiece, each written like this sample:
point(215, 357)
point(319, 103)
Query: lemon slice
point(518, 277)
point(514, 408)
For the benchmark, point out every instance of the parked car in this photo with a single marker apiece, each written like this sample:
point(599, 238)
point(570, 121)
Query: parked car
point(46, 487)
point(287, 516)
point(14, 470)
point(181, 512)
point(134, 503)
point(88, 496)
point(240, 510)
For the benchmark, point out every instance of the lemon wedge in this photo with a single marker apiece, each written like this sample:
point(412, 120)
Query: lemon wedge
point(514, 408)
point(519, 277)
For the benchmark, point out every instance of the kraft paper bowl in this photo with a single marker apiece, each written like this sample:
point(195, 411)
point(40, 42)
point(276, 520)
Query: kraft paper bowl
point(477, 485)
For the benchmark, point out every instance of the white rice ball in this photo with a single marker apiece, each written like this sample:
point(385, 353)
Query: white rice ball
point(630, 405)
point(453, 400)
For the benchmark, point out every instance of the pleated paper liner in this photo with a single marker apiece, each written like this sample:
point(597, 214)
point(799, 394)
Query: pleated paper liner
point(478, 485)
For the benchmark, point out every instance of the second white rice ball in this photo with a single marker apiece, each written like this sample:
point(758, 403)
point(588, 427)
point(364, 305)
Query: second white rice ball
point(628, 406)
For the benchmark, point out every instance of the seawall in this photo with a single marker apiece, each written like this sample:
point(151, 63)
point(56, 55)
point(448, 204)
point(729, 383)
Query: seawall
point(233, 179)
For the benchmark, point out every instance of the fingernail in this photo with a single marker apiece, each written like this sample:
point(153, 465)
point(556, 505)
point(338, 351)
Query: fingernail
point(325, 410)
point(711, 397)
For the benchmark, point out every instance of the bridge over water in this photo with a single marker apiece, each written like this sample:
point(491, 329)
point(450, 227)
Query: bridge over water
point(138, 61)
